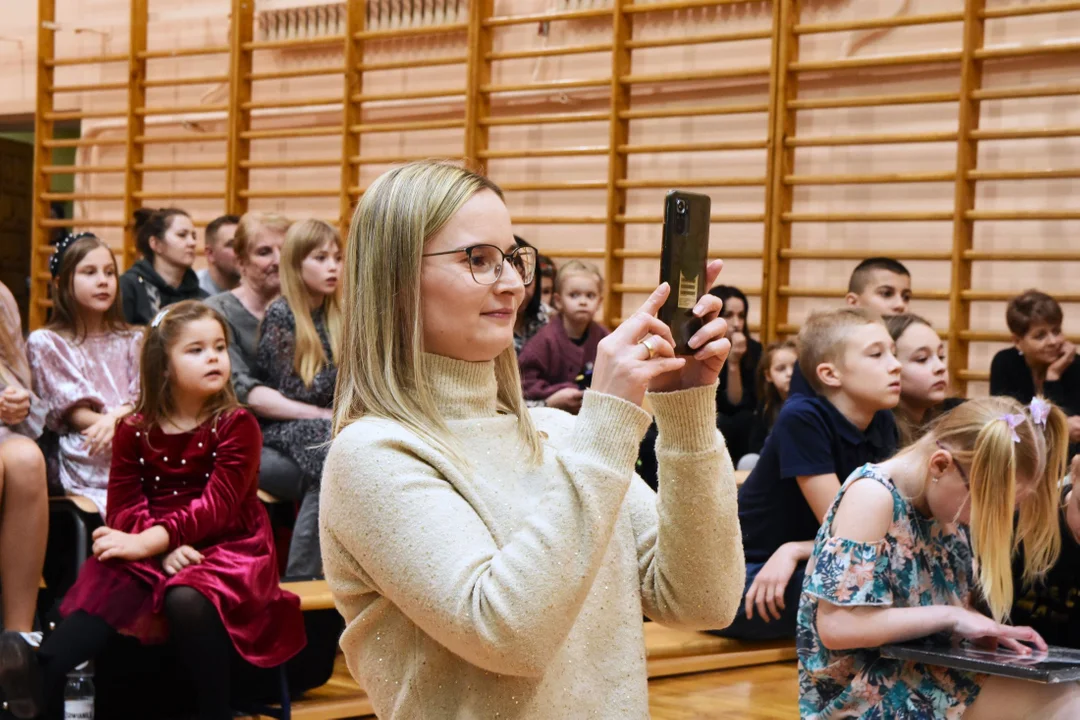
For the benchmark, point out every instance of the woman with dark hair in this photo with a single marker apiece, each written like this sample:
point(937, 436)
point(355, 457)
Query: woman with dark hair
point(736, 399)
point(531, 315)
point(166, 239)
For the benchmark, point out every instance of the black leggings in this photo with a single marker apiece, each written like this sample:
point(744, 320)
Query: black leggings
point(196, 631)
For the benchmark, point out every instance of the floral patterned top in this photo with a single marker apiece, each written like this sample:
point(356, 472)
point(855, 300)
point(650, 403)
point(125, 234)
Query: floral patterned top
point(919, 562)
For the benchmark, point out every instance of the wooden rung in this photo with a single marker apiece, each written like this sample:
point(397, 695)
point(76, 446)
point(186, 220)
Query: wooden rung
point(1025, 133)
point(1022, 255)
point(549, 85)
point(88, 60)
point(385, 159)
point(307, 193)
point(869, 139)
point(682, 40)
point(1028, 91)
point(175, 82)
point(415, 63)
point(505, 20)
point(837, 292)
point(562, 185)
point(80, 197)
point(1032, 9)
point(695, 147)
point(715, 218)
point(878, 61)
point(549, 52)
point(82, 142)
point(999, 336)
point(678, 5)
point(998, 53)
point(411, 95)
point(298, 72)
point(574, 117)
point(814, 254)
point(563, 253)
point(644, 288)
point(873, 101)
point(714, 253)
point(407, 126)
point(294, 43)
point(186, 138)
point(182, 110)
point(692, 111)
point(89, 87)
point(866, 216)
point(692, 182)
point(185, 194)
point(290, 133)
point(84, 114)
point(82, 169)
point(874, 23)
point(1024, 174)
point(558, 220)
point(1004, 295)
point(298, 102)
point(1022, 215)
point(180, 167)
point(696, 75)
point(534, 153)
point(184, 52)
point(881, 179)
point(78, 222)
point(296, 163)
point(433, 30)
point(974, 375)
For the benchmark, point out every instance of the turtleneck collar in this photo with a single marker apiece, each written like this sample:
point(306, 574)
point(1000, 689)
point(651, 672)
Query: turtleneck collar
point(462, 390)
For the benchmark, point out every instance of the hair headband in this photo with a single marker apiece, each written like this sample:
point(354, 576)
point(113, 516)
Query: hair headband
point(61, 247)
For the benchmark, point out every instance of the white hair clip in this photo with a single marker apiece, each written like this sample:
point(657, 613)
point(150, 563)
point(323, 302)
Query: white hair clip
point(1040, 411)
point(159, 317)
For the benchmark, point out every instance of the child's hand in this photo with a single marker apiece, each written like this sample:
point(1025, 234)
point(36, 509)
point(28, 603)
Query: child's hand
point(738, 347)
point(1072, 508)
point(767, 590)
point(180, 558)
point(1074, 429)
point(112, 544)
point(14, 405)
point(568, 399)
point(100, 434)
point(1059, 366)
point(971, 625)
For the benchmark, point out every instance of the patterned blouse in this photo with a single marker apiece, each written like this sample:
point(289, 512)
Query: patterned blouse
point(919, 562)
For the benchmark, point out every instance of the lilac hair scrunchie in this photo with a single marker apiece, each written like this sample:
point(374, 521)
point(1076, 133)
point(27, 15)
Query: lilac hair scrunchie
point(1013, 420)
point(1040, 411)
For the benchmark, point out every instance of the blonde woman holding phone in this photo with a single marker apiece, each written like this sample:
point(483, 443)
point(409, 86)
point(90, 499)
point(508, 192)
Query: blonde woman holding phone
point(492, 560)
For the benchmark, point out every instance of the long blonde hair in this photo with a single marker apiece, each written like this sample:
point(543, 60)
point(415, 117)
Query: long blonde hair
point(303, 238)
point(979, 438)
point(381, 361)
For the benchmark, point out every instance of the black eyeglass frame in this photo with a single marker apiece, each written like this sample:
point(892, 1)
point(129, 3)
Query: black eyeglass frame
point(506, 257)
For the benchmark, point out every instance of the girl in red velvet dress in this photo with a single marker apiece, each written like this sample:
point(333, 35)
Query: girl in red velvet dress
point(187, 554)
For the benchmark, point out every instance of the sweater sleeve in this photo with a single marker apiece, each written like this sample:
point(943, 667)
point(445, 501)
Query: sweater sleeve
point(535, 367)
point(507, 604)
point(128, 508)
point(689, 545)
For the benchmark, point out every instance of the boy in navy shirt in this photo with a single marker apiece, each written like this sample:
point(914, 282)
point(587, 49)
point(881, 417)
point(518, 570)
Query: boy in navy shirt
point(817, 441)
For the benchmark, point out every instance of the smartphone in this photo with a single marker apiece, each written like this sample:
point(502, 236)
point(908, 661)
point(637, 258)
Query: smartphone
point(683, 256)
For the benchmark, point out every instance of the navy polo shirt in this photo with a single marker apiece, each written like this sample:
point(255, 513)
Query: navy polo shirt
point(810, 437)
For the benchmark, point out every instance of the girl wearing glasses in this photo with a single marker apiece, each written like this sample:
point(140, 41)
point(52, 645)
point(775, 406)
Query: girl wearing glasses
point(491, 560)
point(298, 344)
point(905, 546)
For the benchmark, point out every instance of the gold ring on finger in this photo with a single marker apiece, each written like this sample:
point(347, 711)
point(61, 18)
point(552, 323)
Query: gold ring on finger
point(649, 342)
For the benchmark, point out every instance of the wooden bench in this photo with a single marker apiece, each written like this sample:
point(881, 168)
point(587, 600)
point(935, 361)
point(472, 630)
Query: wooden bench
point(677, 652)
point(740, 476)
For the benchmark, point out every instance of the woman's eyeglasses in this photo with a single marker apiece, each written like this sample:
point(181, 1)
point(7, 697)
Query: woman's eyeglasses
point(486, 262)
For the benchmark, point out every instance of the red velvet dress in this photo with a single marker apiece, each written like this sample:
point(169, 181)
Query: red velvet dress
point(201, 487)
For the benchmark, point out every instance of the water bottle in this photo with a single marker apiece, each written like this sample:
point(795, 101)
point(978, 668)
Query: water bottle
point(79, 694)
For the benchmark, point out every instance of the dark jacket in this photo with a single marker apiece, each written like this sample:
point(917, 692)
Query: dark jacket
point(551, 361)
point(143, 292)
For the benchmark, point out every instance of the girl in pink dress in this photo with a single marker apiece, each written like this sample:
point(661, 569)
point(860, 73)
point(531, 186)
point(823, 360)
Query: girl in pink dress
point(187, 553)
point(85, 364)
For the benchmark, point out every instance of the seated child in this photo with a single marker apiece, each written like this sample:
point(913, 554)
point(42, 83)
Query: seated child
point(564, 350)
point(187, 553)
point(1041, 361)
point(901, 552)
point(773, 385)
point(924, 376)
point(815, 441)
point(736, 396)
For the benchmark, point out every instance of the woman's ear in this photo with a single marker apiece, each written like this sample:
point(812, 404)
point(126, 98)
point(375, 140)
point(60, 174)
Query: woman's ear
point(940, 460)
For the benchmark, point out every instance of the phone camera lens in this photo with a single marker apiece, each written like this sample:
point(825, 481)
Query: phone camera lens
point(680, 207)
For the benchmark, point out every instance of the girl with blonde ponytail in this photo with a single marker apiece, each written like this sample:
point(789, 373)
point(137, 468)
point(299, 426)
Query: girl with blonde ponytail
point(906, 547)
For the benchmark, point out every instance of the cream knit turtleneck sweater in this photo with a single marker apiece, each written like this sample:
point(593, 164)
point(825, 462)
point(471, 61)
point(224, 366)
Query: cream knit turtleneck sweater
point(517, 592)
